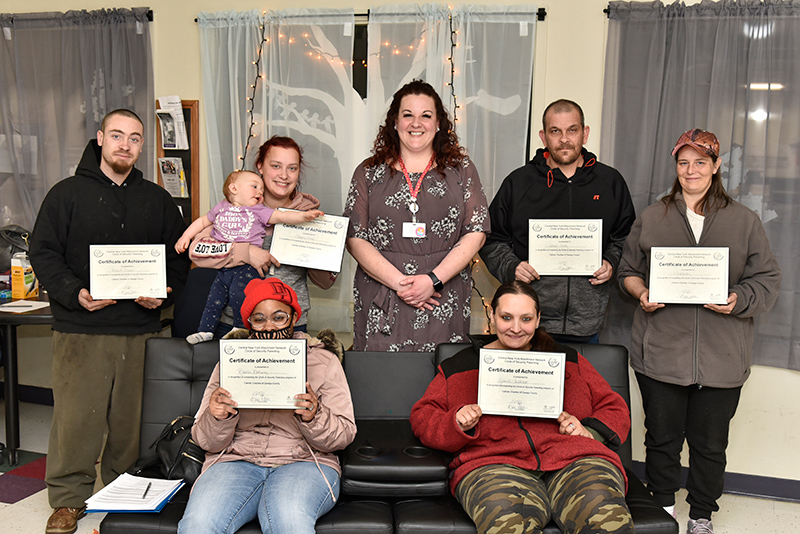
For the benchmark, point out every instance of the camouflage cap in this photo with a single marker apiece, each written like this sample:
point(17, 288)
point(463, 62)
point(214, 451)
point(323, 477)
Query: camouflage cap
point(704, 142)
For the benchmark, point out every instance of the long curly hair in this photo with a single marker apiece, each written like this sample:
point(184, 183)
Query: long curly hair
point(447, 152)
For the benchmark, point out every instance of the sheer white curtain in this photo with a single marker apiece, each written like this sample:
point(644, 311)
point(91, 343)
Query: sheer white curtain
point(730, 67)
point(306, 92)
point(492, 71)
point(405, 42)
point(300, 62)
point(489, 78)
point(229, 43)
point(60, 73)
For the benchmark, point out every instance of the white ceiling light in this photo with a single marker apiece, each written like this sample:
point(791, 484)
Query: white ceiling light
point(766, 86)
point(759, 115)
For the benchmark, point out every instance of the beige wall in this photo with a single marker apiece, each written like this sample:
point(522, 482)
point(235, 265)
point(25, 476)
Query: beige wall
point(569, 64)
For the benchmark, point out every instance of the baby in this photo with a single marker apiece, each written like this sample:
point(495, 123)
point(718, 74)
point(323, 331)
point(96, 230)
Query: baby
point(242, 218)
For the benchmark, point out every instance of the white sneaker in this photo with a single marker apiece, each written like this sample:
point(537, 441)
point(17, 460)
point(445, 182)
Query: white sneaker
point(700, 526)
point(199, 337)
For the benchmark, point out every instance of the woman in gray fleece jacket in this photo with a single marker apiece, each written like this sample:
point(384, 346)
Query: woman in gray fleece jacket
point(275, 465)
point(692, 359)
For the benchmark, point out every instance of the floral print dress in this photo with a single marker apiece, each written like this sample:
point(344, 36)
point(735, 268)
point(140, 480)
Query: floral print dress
point(377, 205)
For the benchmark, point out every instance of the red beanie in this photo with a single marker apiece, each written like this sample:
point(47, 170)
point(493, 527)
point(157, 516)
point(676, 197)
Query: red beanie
point(268, 289)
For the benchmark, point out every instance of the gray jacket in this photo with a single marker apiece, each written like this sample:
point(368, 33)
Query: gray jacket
point(688, 344)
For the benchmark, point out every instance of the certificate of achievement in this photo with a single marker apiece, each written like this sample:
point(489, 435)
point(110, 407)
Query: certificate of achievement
point(317, 244)
point(263, 373)
point(514, 382)
point(127, 271)
point(689, 275)
point(565, 247)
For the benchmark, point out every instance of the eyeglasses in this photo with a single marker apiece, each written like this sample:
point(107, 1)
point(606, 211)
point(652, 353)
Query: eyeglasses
point(279, 319)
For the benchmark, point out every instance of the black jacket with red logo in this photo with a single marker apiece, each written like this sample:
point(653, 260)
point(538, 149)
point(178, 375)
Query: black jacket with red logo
point(570, 304)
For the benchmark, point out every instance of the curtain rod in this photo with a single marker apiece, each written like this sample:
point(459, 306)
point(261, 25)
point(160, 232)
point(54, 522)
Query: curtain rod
point(541, 13)
point(149, 16)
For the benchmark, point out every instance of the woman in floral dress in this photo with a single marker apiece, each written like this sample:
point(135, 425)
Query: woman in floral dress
point(418, 215)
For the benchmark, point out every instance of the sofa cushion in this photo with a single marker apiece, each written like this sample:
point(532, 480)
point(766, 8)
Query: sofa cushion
point(385, 385)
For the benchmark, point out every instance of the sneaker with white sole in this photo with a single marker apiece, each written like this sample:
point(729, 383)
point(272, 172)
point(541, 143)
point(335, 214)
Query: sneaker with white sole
point(199, 337)
point(700, 526)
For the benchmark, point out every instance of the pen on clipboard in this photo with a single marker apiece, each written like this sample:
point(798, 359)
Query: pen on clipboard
point(146, 490)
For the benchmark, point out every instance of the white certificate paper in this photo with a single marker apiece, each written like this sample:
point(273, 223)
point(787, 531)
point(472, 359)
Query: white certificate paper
point(317, 244)
point(689, 275)
point(263, 373)
point(127, 271)
point(523, 383)
point(565, 247)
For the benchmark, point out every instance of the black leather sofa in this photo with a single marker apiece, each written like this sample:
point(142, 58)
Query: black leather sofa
point(390, 483)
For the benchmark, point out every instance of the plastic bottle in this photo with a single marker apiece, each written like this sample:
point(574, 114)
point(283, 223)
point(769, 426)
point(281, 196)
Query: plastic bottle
point(24, 284)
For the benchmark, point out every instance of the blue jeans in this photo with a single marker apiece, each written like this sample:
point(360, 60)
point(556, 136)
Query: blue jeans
point(227, 290)
point(287, 498)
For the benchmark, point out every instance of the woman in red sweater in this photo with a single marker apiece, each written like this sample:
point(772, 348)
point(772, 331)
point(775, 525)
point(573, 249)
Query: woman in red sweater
point(516, 473)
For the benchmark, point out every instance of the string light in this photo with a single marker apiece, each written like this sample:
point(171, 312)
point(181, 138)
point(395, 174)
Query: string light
point(251, 100)
point(456, 107)
point(453, 44)
point(488, 329)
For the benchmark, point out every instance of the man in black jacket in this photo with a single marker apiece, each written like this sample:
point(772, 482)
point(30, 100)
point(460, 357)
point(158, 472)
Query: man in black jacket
point(562, 181)
point(98, 345)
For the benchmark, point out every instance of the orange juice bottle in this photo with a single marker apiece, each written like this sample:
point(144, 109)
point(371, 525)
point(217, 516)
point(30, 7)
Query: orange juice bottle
point(24, 284)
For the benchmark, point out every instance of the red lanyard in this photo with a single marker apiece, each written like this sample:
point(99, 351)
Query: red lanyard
point(411, 189)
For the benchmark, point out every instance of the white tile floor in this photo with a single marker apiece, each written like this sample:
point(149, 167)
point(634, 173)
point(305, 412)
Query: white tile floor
point(737, 515)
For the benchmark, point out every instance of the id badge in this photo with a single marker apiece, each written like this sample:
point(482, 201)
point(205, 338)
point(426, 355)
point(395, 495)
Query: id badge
point(414, 230)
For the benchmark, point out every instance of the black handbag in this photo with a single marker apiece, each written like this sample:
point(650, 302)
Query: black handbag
point(13, 239)
point(176, 453)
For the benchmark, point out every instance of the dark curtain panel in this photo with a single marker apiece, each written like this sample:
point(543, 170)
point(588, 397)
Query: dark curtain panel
point(60, 73)
point(731, 67)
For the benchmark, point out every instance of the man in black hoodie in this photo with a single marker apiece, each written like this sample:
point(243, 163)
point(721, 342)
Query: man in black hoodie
point(98, 345)
point(562, 181)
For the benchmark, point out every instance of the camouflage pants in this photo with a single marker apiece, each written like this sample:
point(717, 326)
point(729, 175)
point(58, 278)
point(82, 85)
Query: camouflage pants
point(587, 496)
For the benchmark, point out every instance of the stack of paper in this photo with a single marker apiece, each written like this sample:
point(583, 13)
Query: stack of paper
point(134, 494)
point(173, 127)
point(22, 306)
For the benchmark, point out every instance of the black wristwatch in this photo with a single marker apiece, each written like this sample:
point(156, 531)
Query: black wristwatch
point(437, 284)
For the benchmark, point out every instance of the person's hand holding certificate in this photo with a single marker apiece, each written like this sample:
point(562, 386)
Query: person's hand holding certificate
point(317, 244)
point(565, 247)
point(127, 272)
point(689, 275)
point(526, 383)
point(263, 373)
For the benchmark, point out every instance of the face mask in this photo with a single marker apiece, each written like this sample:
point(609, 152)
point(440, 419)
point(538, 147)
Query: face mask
point(284, 333)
